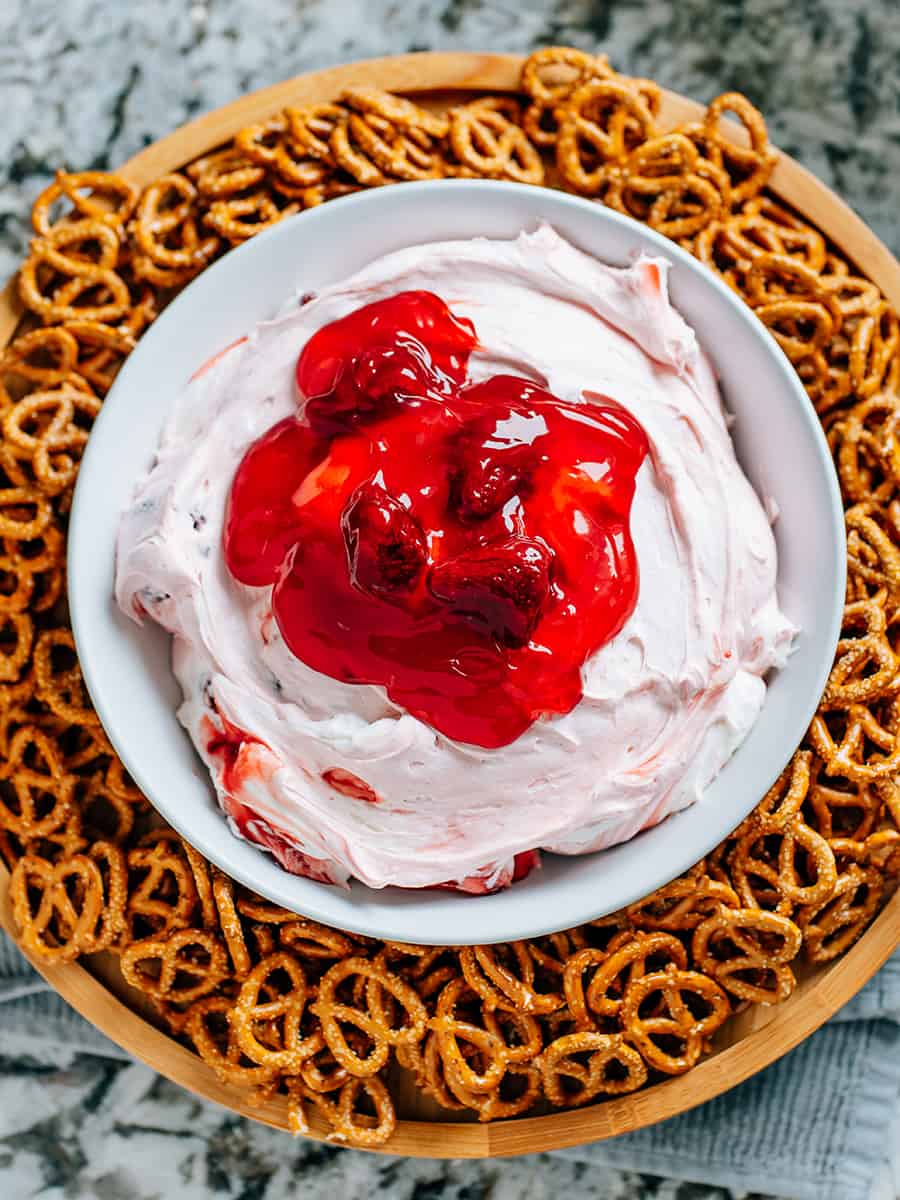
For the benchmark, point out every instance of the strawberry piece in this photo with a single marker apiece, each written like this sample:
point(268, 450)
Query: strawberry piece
point(502, 587)
point(385, 545)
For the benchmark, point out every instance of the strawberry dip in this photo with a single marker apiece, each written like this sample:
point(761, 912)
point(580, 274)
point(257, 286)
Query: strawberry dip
point(459, 565)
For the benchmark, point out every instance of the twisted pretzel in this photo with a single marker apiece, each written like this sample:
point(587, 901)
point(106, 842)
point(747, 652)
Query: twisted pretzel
point(832, 926)
point(208, 1027)
point(180, 968)
point(267, 1015)
point(612, 1067)
point(598, 125)
point(747, 952)
point(50, 430)
point(97, 195)
point(487, 139)
point(673, 1019)
point(162, 895)
point(372, 1020)
point(491, 972)
point(63, 269)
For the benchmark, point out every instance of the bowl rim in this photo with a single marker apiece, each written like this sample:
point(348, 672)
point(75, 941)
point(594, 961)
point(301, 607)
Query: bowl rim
point(79, 533)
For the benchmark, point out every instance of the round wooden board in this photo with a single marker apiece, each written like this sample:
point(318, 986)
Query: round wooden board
point(753, 1039)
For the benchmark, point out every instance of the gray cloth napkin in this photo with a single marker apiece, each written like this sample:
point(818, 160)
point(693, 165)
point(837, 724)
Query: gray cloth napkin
point(821, 1124)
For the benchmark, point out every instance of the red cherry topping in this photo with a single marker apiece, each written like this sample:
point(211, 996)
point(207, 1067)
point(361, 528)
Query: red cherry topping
point(386, 548)
point(498, 588)
point(464, 546)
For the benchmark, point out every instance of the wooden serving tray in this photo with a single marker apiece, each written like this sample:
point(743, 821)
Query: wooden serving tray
point(750, 1041)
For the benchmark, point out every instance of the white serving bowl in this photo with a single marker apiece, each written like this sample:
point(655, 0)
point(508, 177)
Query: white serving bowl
point(778, 440)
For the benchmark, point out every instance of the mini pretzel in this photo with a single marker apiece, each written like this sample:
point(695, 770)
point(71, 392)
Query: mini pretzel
point(85, 745)
point(849, 756)
point(483, 1047)
point(257, 909)
point(867, 440)
point(120, 784)
point(849, 811)
point(371, 1021)
point(242, 217)
point(882, 851)
point(784, 800)
point(872, 554)
point(38, 796)
point(321, 1071)
point(750, 166)
point(200, 870)
point(584, 959)
point(165, 230)
point(831, 927)
point(549, 77)
point(568, 1082)
point(666, 183)
point(74, 271)
point(372, 151)
point(162, 895)
point(16, 638)
point(673, 1019)
point(270, 144)
point(874, 346)
point(516, 1094)
point(400, 113)
point(747, 952)
point(506, 984)
point(31, 573)
point(46, 357)
point(51, 429)
point(520, 1034)
point(209, 1029)
point(57, 908)
point(487, 138)
point(795, 236)
point(429, 971)
point(628, 962)
point(865, 667)
point(273, 999)
point(99, 195)
point(311, 127)
point(180, 968)
point(225, 173)
point(681, 905)
point(103, 813)
point(551, 74)
point(598, 125)
point(347, 1123)
point(101, 350)
point(59, 683)
point(769, 878)
point(788, 297)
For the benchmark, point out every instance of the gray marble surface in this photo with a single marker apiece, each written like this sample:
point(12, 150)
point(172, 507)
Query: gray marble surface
point(85, 83)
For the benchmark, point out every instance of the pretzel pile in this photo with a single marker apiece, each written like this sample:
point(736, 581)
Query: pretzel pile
point(277, 1003)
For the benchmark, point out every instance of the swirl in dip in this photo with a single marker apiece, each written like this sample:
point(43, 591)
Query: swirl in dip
point(479, 576)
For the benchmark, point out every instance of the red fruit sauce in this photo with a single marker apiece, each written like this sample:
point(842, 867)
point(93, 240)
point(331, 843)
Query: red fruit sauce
point(466, 546)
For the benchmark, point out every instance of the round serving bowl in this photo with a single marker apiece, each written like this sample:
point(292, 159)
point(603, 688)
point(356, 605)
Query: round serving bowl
point(779, 443)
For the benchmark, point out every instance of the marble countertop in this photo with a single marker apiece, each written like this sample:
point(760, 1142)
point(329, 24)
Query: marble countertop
point(86, 83)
